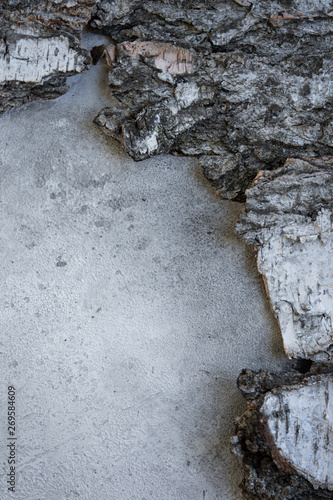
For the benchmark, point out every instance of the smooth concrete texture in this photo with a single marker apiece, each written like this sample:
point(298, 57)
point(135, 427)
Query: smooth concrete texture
point(129, 307)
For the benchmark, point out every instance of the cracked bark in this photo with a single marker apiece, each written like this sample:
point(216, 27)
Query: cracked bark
point(258, 92)
point(285, 436)
point(39, 48)
point(289, 219)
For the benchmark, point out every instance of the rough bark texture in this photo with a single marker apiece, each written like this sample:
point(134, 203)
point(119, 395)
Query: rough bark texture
point(258, 89)
point(39, 48)
point(243, 85)
point(289, 219)
point(285, 436)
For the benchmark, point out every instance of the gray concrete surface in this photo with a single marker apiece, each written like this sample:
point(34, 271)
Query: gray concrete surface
point(129, 308)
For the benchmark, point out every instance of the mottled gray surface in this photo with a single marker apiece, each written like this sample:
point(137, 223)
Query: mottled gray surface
point(128, 309)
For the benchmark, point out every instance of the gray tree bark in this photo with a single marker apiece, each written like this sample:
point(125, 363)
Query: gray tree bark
point(39, 48)
point(258, 89)
point(285, 436)
point(289, 219)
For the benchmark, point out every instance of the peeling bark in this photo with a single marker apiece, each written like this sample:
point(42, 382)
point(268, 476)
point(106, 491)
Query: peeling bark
point(285, 436)
point(243, 85)
point(259, 90)
point(39, 48)
point(289, 219)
